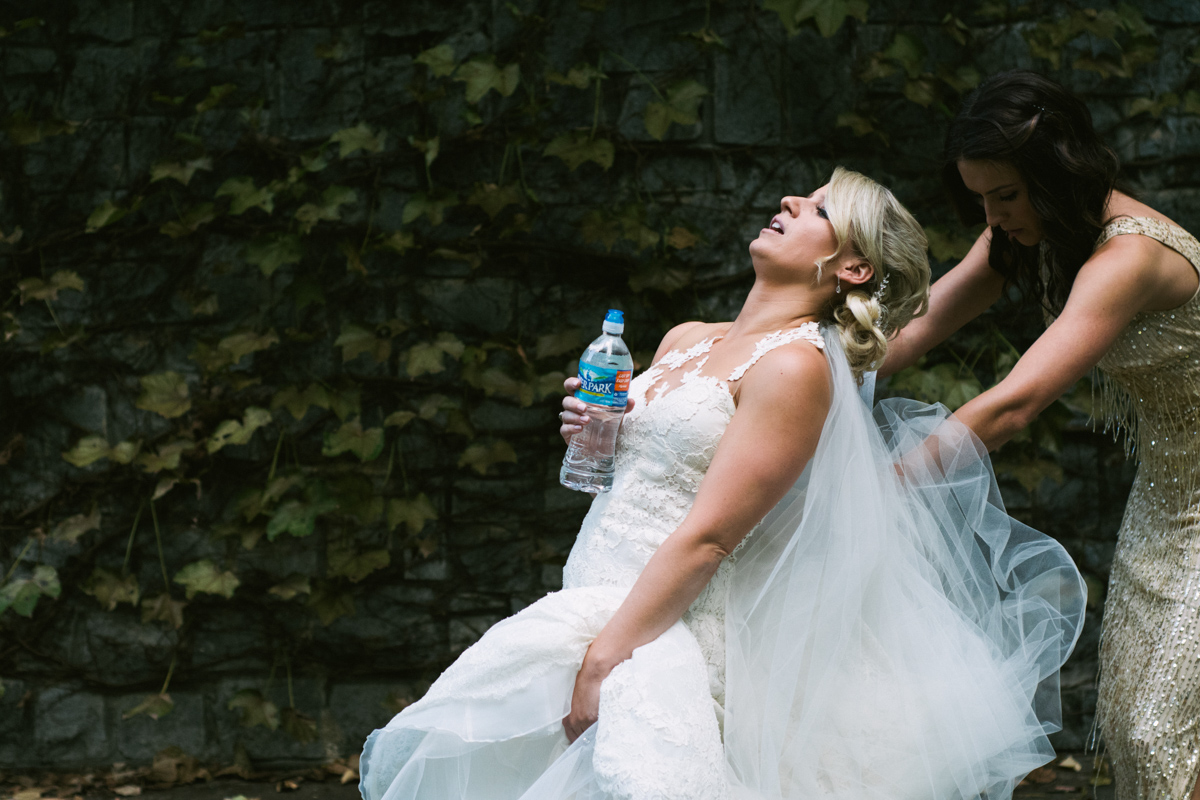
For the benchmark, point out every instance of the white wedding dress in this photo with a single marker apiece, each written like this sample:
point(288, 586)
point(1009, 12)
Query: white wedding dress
point(885, 639)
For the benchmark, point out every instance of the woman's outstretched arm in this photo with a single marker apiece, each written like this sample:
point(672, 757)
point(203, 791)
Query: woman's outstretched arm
point(1123, 277)
point(782, 406)
point(958, 297)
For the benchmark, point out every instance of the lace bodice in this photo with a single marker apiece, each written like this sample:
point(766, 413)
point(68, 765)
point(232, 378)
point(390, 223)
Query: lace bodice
point(663, 451)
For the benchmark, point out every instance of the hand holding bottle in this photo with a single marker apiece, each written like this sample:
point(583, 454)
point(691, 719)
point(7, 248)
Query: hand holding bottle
point(574, 414)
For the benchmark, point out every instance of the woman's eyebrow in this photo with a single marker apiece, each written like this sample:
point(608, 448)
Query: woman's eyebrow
point(999, 188)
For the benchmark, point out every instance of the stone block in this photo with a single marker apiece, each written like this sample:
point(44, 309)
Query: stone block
point(22, 61)
point(99, 83)
point(139, 737)
point(481, 304)
point(747, 96)
point(267, 747)
point(87, 409)
point(357, 709)
point(110, 21)
point(16, 725)
point(70, 727)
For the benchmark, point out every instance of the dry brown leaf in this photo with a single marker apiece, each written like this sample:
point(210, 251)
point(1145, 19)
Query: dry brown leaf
point(128, 790)
point(288, 785)
point(1070, 763)
point(1043, 775)
point(30, 794)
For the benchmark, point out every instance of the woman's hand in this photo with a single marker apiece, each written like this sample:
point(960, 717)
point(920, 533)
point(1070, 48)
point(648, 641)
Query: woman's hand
point(585, 700)
point(574, 414)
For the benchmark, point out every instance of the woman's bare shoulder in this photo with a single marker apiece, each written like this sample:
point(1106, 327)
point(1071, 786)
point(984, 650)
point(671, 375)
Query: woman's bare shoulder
point(1122, 205)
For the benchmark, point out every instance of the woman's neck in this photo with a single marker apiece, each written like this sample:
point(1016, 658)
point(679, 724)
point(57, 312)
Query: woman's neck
point(769, 309)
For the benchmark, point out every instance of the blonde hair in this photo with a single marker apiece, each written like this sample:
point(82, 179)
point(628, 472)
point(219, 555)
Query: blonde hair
point(868, 219)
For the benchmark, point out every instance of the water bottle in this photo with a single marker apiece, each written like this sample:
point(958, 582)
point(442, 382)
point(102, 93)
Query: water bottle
point(604, 370)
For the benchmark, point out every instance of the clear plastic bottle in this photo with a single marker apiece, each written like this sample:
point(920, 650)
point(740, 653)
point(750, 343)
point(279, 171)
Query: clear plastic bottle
point(604, 370)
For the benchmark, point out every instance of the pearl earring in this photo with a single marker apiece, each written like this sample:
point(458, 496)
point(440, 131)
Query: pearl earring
point(838, 290)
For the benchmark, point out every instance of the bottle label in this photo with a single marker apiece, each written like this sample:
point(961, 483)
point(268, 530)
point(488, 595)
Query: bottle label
point(603, 386)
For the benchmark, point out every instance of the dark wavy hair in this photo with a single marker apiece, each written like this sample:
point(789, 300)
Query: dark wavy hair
point(1032, 123)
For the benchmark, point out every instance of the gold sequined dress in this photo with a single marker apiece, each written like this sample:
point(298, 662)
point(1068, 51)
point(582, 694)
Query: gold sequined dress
point(1149, 694)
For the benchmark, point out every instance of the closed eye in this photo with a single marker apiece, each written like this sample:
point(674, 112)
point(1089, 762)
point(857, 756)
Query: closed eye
point(1008, 198)
point(821, 212)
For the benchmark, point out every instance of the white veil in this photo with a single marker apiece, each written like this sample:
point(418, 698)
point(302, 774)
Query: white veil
point(894, 637)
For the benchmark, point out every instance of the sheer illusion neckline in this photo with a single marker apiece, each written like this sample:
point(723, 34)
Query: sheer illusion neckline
point(676, 358)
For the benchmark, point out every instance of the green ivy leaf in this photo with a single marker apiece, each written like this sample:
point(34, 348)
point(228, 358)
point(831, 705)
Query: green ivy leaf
point(681, 105)
point(244, 195)
point(206, 577)
point(232, 349)
point(398, 419)
point(432, 206)
point(356, 497)
point(346, 401)
point(497, 381)
point(255, 709)
point(331, 602)
point(1030, 473)
point(428, 147)
point(351, 438)
point(272, 252)
point(38, 289)
point(190, 222)
point(440, 60)
point(87, 450)
point(71, 528)
point(360, 137)
point(161, 608)
point(398, 241)
point(22, 595)
point(110, 589)
point(413, 513)
point(908, 52)
point(154, 706)
point(577, 147)
point(579, 76)
point(427, 358)
point(300, 727)
point(944, 384)
point(481, 75)
point(830, 14)
point(293, 586)
point(946, 244)
point(233, 431)
point(167, 457)
point(124, 452)
point(181, 171)
point(481, 456)
point(329, 209)
point(356, 340)
point(298, 402)
point(860, 125)
point(493, 199)
point(215, 95)
point(25, 131)
point(344, 561)
point(299, 517)
point(164, 393)
point(104, 215)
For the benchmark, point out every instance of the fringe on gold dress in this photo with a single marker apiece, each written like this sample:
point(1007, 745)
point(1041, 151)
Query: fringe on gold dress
point(1148, 712)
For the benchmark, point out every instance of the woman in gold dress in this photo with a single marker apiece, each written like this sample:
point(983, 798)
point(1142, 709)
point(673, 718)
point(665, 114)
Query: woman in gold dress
point(1118, 283)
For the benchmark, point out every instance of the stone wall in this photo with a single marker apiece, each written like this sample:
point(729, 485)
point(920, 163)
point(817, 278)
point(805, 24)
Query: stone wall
point(288, 649)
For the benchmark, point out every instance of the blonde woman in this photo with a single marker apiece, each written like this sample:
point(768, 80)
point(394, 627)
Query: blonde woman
point(759, 607)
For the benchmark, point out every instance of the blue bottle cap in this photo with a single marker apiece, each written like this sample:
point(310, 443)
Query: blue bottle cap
point(614, 322)
point(615, 315)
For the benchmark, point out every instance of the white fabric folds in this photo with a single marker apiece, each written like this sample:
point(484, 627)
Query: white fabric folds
point(889, 634)
point(895, 637)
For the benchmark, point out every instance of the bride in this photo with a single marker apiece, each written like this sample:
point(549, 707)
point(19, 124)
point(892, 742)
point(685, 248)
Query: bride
point(766, 605)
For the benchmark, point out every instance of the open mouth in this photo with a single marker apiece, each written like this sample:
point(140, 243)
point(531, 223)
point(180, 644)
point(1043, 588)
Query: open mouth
point(775, 225)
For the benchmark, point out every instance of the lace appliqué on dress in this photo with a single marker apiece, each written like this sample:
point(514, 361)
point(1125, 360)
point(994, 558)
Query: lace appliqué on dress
point(809, 331)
